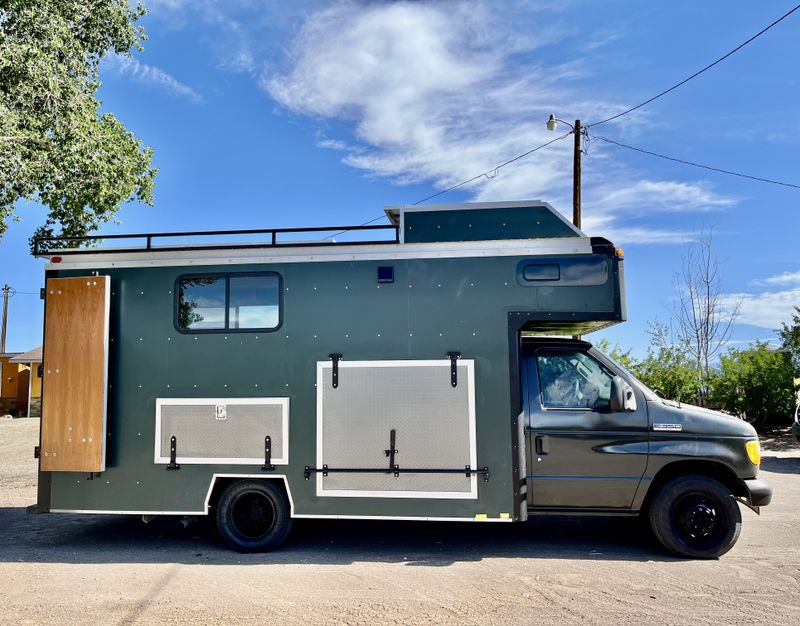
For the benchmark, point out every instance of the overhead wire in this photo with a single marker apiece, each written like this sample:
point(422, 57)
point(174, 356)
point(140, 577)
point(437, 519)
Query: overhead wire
point(693, 164)
point(488, 174)
point(697, 73)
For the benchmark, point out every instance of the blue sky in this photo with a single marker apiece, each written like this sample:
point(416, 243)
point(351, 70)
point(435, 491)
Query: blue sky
point(274, 114)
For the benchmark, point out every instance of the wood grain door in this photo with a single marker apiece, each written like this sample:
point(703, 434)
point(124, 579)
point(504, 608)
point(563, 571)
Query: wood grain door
point(75, 374)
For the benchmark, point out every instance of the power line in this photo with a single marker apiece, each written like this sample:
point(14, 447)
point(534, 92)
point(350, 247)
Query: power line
point(697, 73)
point(700, 165)
point(489, 174)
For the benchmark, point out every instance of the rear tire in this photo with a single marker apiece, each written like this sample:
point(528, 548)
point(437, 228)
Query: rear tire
point(253, 516)
point(696, 517)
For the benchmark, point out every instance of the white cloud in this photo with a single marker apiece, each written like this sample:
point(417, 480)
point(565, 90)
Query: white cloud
point(438, 92)
point(150, 76)
point(766, 309)
point(787, 278)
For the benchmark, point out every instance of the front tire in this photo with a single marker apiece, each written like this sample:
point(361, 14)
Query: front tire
point(253, 516)
point(696, 517)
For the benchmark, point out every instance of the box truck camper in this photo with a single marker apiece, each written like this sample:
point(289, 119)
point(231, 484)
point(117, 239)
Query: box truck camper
point(403, 371)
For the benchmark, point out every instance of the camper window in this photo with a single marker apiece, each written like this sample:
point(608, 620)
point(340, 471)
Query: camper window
point(228, 302)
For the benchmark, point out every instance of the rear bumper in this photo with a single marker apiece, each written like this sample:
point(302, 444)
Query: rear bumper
point(757, 492)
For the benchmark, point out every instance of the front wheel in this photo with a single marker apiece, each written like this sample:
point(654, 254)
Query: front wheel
point(696, 517)
point(253, 516)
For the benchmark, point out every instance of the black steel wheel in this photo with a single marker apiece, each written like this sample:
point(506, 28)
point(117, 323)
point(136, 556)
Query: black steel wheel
point(253, 516)
point(696, 517)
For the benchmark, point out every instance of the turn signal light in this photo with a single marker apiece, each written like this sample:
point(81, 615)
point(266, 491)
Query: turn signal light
point(753, 452)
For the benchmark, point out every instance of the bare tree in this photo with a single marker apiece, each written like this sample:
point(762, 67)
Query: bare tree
point(704, 318)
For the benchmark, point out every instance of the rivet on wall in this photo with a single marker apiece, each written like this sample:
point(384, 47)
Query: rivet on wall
point(140, 386)
point(195, 386)
point(167, 386)
point(195, 338)
point(143, 293)
point(346, 336)
point(140, 339)
point(346, 287)
point(169, 338)
point(224, 385)
point(315, 336)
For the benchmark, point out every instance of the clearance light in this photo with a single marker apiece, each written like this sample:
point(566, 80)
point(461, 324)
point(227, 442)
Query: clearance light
point(620, 253)
point(55, 259)
point(753, 452)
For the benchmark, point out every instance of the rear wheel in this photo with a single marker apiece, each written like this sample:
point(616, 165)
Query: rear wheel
point(696, 516)
point(253, 516)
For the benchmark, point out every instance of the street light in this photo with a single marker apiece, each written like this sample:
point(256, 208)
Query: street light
point(577, 130)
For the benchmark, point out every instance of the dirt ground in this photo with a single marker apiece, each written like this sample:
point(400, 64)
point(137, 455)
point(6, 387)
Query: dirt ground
point(72, 569)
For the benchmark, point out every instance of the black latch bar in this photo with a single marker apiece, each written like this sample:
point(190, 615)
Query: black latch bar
point(335, 357)
point(42, 292)
point(37, 452)
point(173, 453)
point(397, 470)
point(268, 466)
point(453, 367)
point(391, 452)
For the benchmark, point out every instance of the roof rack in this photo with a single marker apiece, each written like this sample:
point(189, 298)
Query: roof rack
point(72, 245)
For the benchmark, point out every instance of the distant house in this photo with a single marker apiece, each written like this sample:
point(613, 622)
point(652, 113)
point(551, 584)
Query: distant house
point(21, 383)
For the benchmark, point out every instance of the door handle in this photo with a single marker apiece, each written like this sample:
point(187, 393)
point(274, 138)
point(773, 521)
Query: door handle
point(539, 445)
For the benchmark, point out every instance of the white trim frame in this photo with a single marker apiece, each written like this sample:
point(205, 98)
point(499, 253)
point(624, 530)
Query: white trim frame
point(292, 512)
point(107, 355)
point(321, 254)
point(282, 402)
point(472, 494)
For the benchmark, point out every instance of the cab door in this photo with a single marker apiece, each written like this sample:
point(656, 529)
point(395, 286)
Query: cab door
point(581, 454)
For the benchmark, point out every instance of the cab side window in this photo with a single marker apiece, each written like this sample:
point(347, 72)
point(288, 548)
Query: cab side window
point(570, 379)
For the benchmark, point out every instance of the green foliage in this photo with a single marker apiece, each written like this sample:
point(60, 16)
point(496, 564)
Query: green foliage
point(55, 145)
point(668, 367)
point(617, 353)
point(790, 337)
point(756, 384)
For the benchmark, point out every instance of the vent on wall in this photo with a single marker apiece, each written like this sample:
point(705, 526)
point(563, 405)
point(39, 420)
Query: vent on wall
point(222, 430)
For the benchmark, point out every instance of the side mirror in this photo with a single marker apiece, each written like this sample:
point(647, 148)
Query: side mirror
point(622, 396)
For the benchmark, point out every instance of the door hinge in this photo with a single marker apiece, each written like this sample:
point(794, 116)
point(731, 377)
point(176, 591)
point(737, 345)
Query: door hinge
point(42, 291)
point(37, 452)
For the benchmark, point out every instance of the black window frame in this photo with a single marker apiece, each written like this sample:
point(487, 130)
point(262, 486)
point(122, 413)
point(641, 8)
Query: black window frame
point(226, 276)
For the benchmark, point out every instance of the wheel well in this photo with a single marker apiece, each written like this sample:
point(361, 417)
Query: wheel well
point(221, 483)
point(711, 469)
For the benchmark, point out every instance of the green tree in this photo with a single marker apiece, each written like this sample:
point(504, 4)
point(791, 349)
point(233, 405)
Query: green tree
point(56, 147)
point(669, 367)
point(790, 337)
point(756, 384)
point(616, 353)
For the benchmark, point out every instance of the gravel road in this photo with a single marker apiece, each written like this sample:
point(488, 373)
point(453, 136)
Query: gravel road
point(72, 569)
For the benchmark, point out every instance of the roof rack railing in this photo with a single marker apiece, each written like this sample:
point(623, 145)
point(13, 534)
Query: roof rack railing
point(72, 245)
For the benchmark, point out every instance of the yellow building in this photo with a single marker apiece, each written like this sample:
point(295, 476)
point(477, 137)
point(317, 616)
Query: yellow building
point(21, 386)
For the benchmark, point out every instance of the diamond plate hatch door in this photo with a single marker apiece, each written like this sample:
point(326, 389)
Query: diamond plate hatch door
point(75, 381)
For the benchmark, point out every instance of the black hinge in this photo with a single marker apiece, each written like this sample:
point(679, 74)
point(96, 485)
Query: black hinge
point(268, 466)
point(453, 367)
point(37, 452)
point(335, 357)
point(42, 291)
point(173, 454)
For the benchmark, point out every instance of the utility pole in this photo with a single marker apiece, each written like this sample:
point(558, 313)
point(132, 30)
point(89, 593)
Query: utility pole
point(576, 177)
point(6, 289)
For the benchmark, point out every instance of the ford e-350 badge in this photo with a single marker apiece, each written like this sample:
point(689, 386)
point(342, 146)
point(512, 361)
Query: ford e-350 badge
point(671, 427)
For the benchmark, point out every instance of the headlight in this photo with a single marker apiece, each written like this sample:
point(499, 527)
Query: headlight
point(753, 452)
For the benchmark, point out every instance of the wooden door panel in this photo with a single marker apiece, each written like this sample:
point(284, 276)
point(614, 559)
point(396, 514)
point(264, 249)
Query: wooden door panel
point(75, 374)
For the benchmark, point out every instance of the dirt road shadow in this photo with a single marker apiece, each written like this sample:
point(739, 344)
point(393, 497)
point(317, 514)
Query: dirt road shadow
point(68, 538)
point(781, 464)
